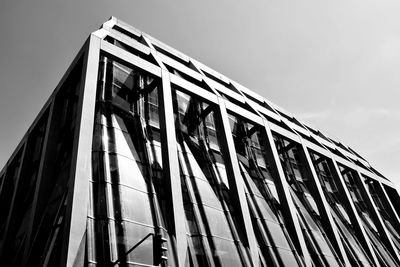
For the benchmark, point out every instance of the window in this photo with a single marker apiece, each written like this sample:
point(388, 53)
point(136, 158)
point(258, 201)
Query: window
point(210, 122)
point(153, 108)
point(211, 131)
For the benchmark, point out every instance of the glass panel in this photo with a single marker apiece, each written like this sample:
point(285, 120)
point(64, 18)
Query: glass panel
point(156, 154)
point(123, 143)
point(7, 191)
point(265, 210)
point(217, 222)
point(189, 165)
point(52, 192)
point(317, 242)
point(226, 251)
point(343, 213)
point(278, 239)
point(287, 258)
point(191, 221)
point(134, 233)
point(272, 189)
point(201, 256)
point(380, 248)
point(269, 231)
point(99, 200)
point(129, 172)
point(136, 206)
point(135, 190)
point(206, 193)
point(351, 241)
point(202, 166)
point(153, 108)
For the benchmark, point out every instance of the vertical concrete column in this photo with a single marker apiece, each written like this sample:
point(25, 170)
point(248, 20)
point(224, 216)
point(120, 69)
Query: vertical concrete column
point(286, 201)
point(171, 164)
point(81, 162)
point(351, 209)
point(323, 205)
point(376, 217)
point(236, 187)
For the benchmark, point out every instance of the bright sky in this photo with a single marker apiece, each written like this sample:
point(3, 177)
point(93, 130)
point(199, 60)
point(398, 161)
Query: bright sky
point(334, 64)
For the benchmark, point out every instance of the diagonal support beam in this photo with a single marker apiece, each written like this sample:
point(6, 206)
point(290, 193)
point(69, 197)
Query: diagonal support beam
point(287, 204)
point(352, 212)
point(323, 206)
point(389, 206)
point(376, 217)
point(236, 185)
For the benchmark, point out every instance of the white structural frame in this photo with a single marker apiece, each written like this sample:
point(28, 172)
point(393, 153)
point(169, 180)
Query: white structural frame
point(271, 118)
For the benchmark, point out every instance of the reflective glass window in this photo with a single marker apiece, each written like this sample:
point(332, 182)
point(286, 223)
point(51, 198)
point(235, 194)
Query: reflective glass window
point(135, 205)
point(153, 108)
point(227, 252)
point(218, 223)
point(127, 172)
point(265, 209)
point(206, 193)
point(200, 254)
point(287, 258)
point(133, 234)
point(278, 238)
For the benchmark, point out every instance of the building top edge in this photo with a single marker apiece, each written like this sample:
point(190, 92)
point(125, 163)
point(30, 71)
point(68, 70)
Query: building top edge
point(244, 91)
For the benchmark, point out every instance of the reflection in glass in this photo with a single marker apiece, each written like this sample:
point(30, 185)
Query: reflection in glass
point(129, 199)
point(315, 233)
point(352, 245)
point(214, 235)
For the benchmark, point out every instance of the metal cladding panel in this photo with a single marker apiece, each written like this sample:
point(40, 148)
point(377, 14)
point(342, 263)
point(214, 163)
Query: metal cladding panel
point(144, 156)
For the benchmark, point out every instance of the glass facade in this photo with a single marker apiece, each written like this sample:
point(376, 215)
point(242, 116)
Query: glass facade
point(37, 192)
point(145, 157)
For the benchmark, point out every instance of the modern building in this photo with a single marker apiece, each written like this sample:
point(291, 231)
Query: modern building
point(143, 156)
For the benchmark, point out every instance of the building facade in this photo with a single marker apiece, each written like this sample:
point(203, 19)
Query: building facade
point(143, 156)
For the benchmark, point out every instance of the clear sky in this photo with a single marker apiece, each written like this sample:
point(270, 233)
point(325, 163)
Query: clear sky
point(333, 64)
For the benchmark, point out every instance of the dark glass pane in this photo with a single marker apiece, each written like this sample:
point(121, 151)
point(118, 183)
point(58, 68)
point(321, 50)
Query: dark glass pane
point(49, 218)
point(201, 257)
point(99, 199)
